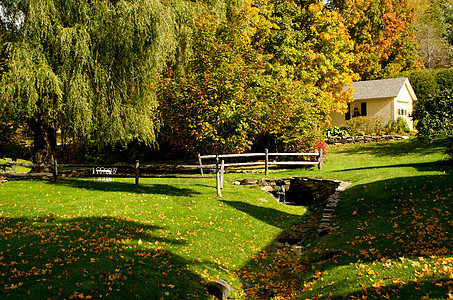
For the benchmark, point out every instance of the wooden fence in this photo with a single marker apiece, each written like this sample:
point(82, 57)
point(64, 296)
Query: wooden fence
point(94, 170)
point(220, 163)
point(110, 171)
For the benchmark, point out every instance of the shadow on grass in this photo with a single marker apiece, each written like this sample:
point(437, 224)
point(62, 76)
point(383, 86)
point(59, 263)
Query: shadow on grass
point(421, 167)
point(47, 257)
point(388, 220)
point(268, 215)
point(116, 186)
point(378, 221)
point(403, 290)
point(399, 148)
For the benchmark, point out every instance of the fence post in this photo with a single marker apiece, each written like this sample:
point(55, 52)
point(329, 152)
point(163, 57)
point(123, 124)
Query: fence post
point(217, 172)
point(137, 171)
point(201, 165)
point(55, 170)
point(320, 160)
point(222, 172)
point(266, 167)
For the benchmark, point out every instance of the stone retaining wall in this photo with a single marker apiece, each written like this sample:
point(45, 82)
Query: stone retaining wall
point(301, 190)
point(363, 139)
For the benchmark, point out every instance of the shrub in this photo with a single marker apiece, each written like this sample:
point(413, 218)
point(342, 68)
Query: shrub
point(423, 82)
point(398, 126)
point(444, 79)
point(321, 145)
point(434, 116)
point(365, 125)
point(338, 131)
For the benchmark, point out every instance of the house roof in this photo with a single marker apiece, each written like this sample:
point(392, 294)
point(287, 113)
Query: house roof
point(381, 88)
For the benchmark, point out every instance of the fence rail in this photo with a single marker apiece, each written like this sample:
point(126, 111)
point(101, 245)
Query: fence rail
point(108, 171)
point(220, 164)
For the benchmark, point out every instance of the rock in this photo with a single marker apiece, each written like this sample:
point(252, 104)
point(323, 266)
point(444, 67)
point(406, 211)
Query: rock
point(297, 250)
point(246, 285)
point(249, 181)
point(332, 253)
point(324, 231)
point(267, 188)
point(221, 289)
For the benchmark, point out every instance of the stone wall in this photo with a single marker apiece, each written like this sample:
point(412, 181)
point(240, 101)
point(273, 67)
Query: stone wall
point(302, 191)
point(363, 139)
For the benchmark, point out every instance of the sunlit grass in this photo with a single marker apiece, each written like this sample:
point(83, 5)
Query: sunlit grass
point(164, 238)
point(81, 238)
point(394, 226)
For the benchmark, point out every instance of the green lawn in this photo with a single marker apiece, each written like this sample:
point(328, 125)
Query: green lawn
point(395, 230)
point(81, 238)
point(164, 238)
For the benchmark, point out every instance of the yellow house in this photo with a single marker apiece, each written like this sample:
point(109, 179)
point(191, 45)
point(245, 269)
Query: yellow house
point(385, 98)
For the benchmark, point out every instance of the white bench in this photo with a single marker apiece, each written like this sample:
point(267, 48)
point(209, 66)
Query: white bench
point(104, 171)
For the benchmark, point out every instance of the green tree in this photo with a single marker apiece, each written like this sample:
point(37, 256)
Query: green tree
point(87, 68)
point(435, 117)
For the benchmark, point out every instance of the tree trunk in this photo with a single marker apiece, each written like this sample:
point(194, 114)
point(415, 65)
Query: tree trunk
point(44, 145)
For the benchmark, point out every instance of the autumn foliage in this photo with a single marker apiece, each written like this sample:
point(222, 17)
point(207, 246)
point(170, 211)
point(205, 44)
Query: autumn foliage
point(383, 35)
point(256, 73)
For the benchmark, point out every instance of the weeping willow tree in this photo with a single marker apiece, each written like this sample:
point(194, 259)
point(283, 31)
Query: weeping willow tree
point(87, 68)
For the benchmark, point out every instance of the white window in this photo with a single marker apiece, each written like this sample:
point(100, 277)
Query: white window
point(402, 112)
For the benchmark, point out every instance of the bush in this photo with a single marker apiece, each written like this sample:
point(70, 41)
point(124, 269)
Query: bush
point(365, 125)
point(12, 143)
point(338, 131)
point(444, 79)
point(321, 145)
point(398, 126)
point(434, 115)
point(424, 83)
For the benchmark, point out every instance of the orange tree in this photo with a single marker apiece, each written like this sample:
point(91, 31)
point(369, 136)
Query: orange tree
point(383, 33)
point(274, 68)
point(205, 103)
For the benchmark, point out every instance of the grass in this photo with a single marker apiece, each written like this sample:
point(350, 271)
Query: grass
point(395, 228)
point(16, 168)
point(81, 238)
point(163, 239)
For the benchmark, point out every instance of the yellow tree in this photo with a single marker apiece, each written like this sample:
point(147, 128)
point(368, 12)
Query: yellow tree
point(205, 104)
point(383, 35)
point(307, 55)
